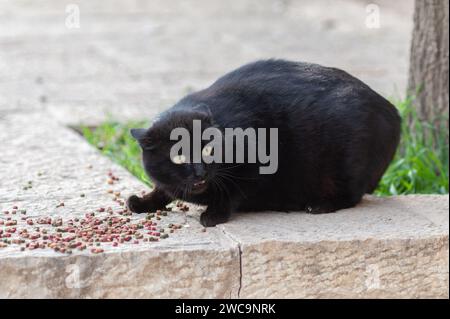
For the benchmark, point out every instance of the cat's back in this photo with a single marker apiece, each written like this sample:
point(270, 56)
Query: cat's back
point(279, 91)
point(281, 83)
point(275, 75)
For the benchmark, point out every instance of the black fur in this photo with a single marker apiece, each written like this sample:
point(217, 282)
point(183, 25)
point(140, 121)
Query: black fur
point(336, 139)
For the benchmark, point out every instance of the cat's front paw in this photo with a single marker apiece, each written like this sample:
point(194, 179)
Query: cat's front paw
point(208, 219)
point(135, 204)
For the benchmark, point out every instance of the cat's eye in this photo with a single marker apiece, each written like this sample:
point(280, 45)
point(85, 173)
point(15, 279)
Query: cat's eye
point(207, 150)
point(179, 159)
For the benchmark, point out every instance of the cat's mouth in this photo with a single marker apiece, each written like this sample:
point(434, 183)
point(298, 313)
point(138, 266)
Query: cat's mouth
point(199, 186)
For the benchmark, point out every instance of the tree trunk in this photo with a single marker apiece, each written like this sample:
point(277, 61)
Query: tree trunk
point(429, 62)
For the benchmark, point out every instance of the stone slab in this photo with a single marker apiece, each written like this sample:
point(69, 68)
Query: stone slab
point(394, 247)
point(190, 263)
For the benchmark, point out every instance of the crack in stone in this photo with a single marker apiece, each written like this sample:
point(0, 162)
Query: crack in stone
point(240, 257)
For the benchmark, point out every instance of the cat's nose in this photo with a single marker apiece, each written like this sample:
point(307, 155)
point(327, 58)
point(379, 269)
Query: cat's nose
point(199, 171)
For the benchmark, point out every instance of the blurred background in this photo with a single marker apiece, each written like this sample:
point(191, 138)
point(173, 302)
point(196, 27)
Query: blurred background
point(104, 66)
point(82, 61)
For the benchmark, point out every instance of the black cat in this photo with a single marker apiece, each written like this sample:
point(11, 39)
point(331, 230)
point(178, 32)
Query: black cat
point(336, 137)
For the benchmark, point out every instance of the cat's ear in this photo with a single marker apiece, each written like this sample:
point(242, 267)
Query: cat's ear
point(203, 112)
point(203, 109)
point(142, 136)
point(138, 133)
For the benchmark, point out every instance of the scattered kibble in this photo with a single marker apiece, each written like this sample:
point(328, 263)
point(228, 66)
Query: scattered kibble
point(97, 250)
point(183, 207)
point(28, 186)
point(78, 233)
point(95, 230)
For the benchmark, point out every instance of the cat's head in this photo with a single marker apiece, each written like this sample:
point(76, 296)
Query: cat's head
point(177, 173)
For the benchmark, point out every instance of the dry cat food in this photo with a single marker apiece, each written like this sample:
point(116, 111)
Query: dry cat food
point(94, 231)
point(81, 233)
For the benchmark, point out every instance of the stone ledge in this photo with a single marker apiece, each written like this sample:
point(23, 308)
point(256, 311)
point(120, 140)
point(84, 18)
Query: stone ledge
point(150, 273)
point(385, 247)
point(189, 264)
point(394, 247)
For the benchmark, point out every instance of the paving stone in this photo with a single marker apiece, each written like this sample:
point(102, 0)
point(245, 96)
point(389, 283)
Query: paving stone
point(190, 263)
point(394, 247)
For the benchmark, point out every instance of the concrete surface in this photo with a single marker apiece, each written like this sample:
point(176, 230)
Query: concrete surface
point(190, 263)
point(376, 250)
point(131, 59)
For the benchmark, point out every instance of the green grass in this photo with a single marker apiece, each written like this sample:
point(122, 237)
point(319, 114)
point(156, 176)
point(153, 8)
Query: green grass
point(421, 163)
point(419, 167)
point(114, 140)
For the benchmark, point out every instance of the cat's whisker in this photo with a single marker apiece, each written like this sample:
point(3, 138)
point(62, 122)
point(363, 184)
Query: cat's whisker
point(177, 192)
point(228, 171)
point(224, 187)
point(219, 188)
point(225, 168)
point(237, 177)
point(232, 181)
